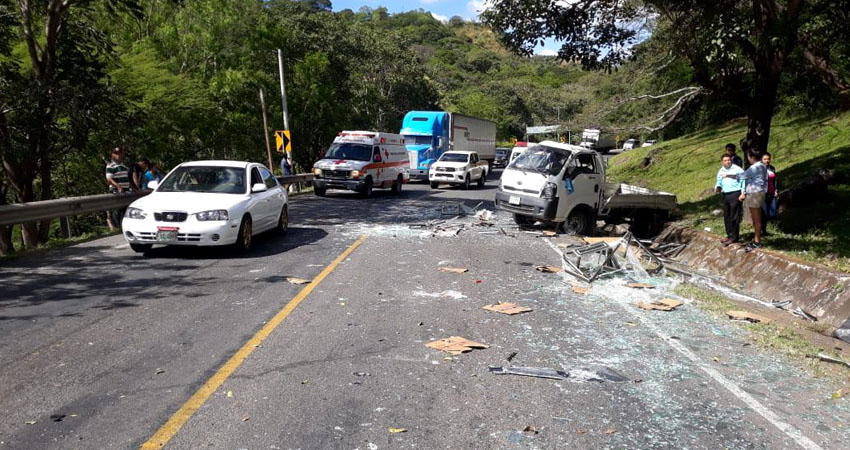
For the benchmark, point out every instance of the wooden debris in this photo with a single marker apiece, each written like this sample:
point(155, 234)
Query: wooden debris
point(507, 308)
point(578, 289)
point(748, 316)
point(665, 304)
point(454, 269)
point(548, 233)
point(607, 240)
point(455, 345)
point(640, 286)
point(548, 269)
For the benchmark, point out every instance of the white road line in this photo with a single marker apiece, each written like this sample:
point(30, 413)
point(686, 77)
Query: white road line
point(736, 390)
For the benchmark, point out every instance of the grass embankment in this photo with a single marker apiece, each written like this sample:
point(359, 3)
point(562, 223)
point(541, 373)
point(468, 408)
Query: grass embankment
point(818, 231)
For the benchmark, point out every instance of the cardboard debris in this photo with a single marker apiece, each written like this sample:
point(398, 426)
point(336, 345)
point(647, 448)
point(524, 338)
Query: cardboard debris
point(507, 308)
point(548, 269)
point(748, 316)
point(665, 304)
point(455, 345)
point(640, 286)
point(294, 280)
point(607, 240)
point(564, 245)
point(578, 289)
point(548, 233)
point(454, 269)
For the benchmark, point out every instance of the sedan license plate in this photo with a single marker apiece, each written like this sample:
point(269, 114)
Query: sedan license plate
point(514, 200)
point(166, 236)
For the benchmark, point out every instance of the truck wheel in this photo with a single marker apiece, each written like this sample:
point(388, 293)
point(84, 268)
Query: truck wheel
point(141, 248)
point(522, 220)
point(319, 191)
point(483, 179)
point(397, 185)
point(579, 223)
point(435, 185)
point(465, 185)
point(367, 188)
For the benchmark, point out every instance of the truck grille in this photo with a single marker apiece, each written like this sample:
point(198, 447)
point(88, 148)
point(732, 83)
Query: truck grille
point(445, 169)
point(338, 174)
point(170, 216)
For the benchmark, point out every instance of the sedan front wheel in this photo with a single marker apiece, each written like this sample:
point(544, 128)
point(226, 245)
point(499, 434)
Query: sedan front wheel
point(245, 236)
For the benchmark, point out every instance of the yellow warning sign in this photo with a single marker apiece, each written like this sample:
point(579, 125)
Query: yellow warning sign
point(283, 141)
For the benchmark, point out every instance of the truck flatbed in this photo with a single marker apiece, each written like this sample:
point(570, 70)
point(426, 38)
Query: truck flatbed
point(626, 196)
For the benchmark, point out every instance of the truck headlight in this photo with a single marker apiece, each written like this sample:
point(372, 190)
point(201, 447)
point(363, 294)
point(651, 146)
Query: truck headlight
point(135, 213)
point(355, 174)
point(216, 214)
point(550, 191)
point(317, 172)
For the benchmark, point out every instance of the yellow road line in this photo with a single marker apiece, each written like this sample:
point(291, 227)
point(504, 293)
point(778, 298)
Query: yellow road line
point(176, 422)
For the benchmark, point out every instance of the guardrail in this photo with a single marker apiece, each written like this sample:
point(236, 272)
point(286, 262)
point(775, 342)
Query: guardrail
point(71, 206)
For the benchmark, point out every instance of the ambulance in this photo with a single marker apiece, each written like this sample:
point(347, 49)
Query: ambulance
point(361, 161)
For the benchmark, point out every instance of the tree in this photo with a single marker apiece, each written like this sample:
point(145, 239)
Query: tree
point(38, 86)
point(737, 49)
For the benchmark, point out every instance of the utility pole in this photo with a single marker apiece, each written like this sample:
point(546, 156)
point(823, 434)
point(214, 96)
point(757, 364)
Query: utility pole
point(266, 130)
point(282, 90)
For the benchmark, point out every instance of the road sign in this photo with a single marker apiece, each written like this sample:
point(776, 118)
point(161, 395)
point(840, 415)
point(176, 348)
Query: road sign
point(283, 141)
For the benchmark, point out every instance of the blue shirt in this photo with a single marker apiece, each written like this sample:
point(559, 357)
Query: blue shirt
point(756, 177)
point(728, 185)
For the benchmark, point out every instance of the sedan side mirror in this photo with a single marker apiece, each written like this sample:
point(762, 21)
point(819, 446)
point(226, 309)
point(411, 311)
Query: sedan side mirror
point(153, 184)
point(259, 187)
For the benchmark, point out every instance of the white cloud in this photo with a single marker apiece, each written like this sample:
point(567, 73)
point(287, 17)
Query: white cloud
point(440, 17)
point(476, 7)
point(429, 2)
point(547, 52)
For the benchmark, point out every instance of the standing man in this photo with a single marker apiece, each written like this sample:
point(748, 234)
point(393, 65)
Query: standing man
point(731, 189)
point(136, 174)
point(736, 160)
point(118, 182)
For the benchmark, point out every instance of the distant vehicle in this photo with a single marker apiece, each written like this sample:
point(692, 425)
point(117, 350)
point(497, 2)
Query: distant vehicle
point(429, 134)
point(649, 143)
point(501, 159)
point(630, 144)
point(597, 140)
point(566, 185)
point(207, 203)
point(360, 161)
point(458, 169)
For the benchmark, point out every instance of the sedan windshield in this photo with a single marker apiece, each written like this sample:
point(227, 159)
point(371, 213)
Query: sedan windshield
point(454, 157)
point(225, 180)
point(541, 159)
point(354, 152)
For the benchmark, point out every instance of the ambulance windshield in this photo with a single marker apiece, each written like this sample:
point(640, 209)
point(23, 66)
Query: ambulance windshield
point(354, 152)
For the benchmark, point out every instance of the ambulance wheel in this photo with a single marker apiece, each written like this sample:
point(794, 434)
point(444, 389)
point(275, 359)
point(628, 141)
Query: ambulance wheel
point(320, 191)
point(435, 185)
point(465, 185)
point(367, 188)
point(397, 185)
point(483, 179)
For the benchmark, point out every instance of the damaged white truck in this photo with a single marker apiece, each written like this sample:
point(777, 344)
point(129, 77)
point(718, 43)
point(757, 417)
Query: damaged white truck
point(566, 185)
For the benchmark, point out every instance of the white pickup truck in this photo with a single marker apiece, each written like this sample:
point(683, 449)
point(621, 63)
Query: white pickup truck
point(566, 185)
point(458, 168)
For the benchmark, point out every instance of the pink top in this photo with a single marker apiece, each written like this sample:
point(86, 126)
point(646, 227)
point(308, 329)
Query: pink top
point(771, 182)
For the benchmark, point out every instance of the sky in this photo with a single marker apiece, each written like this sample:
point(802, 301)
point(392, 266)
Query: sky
point(440, 9)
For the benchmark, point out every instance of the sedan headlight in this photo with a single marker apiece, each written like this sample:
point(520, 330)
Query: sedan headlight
point(135, 213)
point(317, 172)
point(217, 214)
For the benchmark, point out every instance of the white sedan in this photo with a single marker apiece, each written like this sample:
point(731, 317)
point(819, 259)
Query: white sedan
point(208, 203)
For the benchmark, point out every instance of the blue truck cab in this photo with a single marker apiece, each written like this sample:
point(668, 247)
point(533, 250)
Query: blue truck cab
point(426, 136)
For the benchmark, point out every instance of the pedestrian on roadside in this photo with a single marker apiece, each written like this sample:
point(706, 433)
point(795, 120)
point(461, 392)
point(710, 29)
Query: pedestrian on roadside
point(753, 195)
point(736, 160)
point(152, 174)
point(770, 207)
point(118, 182)
point(730, 189)
point(136, 173)
point(285, 166)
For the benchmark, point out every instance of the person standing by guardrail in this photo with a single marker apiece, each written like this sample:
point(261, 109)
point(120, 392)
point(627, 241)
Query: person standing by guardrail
point(118, 181)
point(731, 190)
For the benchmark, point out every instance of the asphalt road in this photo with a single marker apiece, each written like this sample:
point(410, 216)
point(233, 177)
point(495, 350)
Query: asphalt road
point(99, 347)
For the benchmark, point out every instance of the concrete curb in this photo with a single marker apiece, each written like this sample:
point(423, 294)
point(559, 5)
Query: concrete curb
point(818, 290)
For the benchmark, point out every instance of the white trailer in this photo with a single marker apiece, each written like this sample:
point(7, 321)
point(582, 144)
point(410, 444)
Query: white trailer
point(473, 135)
point(598, 140)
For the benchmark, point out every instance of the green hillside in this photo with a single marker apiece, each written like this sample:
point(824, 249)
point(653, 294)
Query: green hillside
point(800, 146)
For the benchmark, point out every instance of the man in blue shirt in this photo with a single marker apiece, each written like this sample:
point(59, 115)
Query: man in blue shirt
point(731, 189)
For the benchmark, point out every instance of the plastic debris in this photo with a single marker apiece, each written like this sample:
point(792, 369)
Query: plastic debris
point(665, 304)
point(843, 332)
point(530, 429)
point(548, 269)
point(800, 313)
point(748, 317)
point(229, 394)
point(295, 280)
point(839, 394)
point(507, 308)
point(456, 345)
point(454, 269)
point(159, 371)
point(30, 422)
point(827, 358)
point(484, 215)
point(599, 375)
point(397, 430)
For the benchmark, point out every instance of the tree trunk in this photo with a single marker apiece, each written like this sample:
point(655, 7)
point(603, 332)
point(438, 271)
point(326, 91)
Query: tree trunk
point(760, 110)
